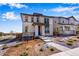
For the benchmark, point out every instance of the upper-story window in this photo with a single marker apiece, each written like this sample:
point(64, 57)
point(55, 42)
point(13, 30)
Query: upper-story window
point(37, 19)
point(63, 21)
point(46, 21)
point(32, 19)
point(55, 21)
point(25, 20)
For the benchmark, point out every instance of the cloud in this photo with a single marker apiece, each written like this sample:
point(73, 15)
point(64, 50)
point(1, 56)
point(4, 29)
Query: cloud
point(45, 10)
point(4, 20)
point(77, 16)
point(2, 4)
point(16, 5)
point(10, 16)
point(63, 9)
point(66, 11)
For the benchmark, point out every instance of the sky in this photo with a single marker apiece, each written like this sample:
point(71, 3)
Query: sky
point(10, 18)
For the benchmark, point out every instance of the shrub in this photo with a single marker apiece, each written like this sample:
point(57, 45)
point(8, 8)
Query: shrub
point(27, 48)
point(24, 54)
point(51, 49)
point(38, 44)
point(41, 49)
point(69, 43)
point(5, 46)
point(16, 45)
point(74, 40)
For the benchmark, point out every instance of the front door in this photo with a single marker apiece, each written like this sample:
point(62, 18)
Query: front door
point(39, 30)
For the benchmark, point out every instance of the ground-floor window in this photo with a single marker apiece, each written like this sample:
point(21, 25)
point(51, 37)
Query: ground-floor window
point(46, 29)
point(26, 29)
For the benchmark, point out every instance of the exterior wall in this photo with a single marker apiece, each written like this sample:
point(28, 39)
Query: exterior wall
point(35, 19)
point(63, 21)
point(41, 19)
point(71, 21)
point(51, 26)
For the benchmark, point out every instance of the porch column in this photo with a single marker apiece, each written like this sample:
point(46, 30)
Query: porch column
point(51, 29)
point(51, 26)
point(36, 30)
point(43, 30)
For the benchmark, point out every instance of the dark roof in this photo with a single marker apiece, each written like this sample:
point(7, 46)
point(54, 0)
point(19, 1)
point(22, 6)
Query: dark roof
point(39, 14)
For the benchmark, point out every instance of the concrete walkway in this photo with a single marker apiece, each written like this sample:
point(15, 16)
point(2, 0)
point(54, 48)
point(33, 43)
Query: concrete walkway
point(72, 52)
point(60, 47)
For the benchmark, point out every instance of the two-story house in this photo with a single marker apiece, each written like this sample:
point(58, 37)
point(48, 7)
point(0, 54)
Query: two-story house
point(41, 25)
point(36, 25)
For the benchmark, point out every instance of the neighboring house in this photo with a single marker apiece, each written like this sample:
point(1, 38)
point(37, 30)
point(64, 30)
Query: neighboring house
point(41, 25)
point(36, 25)
point(64, 26)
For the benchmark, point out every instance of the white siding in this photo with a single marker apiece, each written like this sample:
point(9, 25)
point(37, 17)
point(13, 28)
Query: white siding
point(51, 26)
point(43, 30)
point(29, 18)
point(71, 21)
point(41, 19)
point(35, 19)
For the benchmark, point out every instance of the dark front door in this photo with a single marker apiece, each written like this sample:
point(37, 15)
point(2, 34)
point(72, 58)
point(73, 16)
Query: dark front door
point(39, 30)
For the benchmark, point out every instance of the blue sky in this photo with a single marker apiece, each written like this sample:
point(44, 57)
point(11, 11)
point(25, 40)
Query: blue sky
point(10, 13)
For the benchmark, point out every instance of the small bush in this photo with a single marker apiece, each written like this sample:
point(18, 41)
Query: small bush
point(74, 40)
point(41, 49)
point(24, 54)
point(16, 45)
point(38, 44)
point(78, 37)
point(51, 49)
point(69, 43)
point(27, 48)
point(5, 46)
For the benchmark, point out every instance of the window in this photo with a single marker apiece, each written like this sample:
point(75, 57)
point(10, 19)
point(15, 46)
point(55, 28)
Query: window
point(46, 21)
point(67, 28)
point(47, 29)
point(61, 28)
point(55, 21)
point(57, 29)
point(32, 19)
point(26, 28)
point(63, 21)
point(25, 20)
point(37, 19)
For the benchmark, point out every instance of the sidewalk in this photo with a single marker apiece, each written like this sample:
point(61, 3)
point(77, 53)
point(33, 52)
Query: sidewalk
point(72, 52)
point(60, 47)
